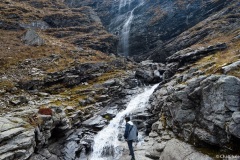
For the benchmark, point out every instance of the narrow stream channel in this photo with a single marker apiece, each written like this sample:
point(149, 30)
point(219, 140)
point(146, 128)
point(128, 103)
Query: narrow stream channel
point(106, 142)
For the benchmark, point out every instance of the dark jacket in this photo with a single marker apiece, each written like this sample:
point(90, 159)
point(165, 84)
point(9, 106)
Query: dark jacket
point(131, 132)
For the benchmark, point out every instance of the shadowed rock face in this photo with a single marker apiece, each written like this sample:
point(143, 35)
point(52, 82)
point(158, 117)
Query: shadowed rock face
point(157, 25)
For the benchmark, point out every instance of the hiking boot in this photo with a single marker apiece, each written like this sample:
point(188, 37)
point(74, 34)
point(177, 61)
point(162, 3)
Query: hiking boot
point(133, 158)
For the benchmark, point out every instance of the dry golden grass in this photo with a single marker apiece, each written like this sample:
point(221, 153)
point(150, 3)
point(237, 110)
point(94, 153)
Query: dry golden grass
point(72, 96)
point(220, 59)
point(6, 84)
point(14, 51)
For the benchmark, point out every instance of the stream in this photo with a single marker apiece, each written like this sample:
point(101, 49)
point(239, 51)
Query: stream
point(107, 143)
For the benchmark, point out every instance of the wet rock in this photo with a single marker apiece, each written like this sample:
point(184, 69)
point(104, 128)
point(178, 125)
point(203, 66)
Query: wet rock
point(146, 76)
point(131, 82)
point(96, 123)
point(149, 72)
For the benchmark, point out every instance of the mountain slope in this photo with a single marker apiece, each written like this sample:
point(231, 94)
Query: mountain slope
point(160, 28)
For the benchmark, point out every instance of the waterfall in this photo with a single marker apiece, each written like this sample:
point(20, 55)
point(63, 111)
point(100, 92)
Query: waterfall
point(106, 142)
point(124, 34)
point(123, 3)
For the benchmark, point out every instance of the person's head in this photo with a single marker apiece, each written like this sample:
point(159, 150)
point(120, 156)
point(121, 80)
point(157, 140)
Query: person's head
point(127, 119)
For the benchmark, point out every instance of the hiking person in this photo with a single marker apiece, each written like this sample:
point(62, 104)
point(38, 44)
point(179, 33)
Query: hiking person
point(130, 135)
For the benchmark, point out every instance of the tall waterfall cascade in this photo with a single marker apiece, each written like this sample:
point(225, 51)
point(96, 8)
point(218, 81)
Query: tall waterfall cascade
point(106, 143)
point(123, 3)
point(125, 32)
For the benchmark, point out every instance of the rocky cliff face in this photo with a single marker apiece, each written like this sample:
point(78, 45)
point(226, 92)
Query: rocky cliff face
point(160, 28)
point(196, 105)
point(56, 72)
point(60, 84)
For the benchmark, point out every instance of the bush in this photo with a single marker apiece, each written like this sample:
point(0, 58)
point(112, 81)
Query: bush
point(45, 111)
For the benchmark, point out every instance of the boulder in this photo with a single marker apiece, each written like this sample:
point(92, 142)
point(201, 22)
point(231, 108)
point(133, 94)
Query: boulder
point(178, 150)
point(32, 38)
point(96, 123)
point(190, 55)
point(145, 75)
point(231, 67)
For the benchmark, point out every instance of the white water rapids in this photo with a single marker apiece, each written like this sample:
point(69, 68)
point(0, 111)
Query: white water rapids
point(106, 144)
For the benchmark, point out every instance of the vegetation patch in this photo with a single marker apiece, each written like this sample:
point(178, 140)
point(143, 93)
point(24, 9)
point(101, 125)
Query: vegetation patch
point(6, 84)
point(45, 111)
point(212, 64)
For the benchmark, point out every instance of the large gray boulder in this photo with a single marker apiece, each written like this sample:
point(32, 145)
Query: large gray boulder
point(32, 38)
point(178, 150)
point(149, 72)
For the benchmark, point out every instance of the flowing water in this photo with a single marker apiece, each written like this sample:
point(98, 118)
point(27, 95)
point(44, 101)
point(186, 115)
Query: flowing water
point(123, 3)
point(106, 143)
point(124, 35)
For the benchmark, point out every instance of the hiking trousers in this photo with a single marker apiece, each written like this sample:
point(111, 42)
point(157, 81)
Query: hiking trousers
point(130, 146)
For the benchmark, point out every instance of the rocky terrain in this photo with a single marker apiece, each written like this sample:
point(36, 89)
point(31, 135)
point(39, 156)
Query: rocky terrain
point(61, 80)
point(161, 28)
